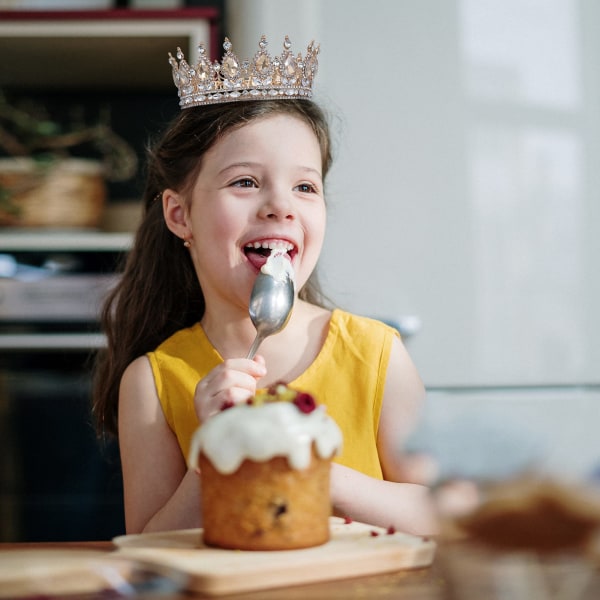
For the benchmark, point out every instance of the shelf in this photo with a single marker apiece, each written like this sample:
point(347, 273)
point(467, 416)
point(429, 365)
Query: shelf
point(84, 241)
point(48, 341)
point(114, 49)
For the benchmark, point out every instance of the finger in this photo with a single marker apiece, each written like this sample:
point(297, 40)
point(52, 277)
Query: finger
point(225, 386)
point(243, 376)
point(255, 367)
point(224, 400)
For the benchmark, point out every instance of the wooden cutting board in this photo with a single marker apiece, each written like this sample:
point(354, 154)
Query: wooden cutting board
point(353, 551)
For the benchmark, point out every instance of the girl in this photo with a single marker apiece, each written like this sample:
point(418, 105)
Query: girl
point(227, 184)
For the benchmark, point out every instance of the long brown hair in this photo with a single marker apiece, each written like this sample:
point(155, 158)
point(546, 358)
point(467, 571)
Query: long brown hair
point(159, 292)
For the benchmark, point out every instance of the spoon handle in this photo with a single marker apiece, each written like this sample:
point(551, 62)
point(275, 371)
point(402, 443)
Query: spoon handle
point(255, 344)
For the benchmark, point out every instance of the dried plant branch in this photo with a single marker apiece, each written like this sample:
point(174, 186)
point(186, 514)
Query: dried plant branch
point(30, 132)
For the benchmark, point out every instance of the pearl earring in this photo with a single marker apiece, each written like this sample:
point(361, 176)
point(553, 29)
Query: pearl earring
point(187, 243)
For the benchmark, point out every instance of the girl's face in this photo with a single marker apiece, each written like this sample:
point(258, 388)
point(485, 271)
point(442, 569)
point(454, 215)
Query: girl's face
point(260, 187)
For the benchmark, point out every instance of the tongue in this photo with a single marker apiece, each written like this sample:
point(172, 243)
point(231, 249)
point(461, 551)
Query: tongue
point(256, 259)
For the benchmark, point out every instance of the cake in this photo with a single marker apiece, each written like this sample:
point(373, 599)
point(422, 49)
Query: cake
point(537, 514)
point(264, 472)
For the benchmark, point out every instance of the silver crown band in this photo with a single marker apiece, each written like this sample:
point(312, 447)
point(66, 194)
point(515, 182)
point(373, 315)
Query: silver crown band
point(263, 78)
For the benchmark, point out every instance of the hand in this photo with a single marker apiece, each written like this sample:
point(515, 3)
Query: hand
point(231, 382)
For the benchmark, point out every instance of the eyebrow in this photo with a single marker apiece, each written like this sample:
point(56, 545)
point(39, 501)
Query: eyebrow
point(246, 164)
point(235, 165)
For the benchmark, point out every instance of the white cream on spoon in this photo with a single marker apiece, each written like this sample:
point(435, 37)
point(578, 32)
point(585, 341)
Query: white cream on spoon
point(272, 297)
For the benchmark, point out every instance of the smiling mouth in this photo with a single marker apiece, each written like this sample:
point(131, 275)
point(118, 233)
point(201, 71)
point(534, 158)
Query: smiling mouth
point(258, 252)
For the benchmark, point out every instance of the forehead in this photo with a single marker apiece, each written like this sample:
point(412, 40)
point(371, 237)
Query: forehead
point(277, 136)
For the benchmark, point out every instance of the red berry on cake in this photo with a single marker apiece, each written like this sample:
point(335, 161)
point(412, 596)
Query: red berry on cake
point(305, 402)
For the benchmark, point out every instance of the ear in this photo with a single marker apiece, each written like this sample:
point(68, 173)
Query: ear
point(175, 214)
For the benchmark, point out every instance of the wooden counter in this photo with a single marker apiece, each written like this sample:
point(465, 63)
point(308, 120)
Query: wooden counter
point(460, 572)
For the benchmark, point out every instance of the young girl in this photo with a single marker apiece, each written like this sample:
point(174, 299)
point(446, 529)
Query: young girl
point(227, 184)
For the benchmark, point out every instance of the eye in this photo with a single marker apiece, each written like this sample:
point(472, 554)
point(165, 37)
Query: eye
point(245, 182)
point(306, 188)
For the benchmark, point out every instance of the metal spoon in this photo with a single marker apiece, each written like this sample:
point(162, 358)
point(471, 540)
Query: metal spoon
point(270, 307)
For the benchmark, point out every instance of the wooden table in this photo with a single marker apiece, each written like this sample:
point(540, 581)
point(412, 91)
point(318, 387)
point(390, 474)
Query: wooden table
point(460, 572)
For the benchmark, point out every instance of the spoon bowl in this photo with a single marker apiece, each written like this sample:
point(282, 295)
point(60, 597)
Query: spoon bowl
point(271, 303)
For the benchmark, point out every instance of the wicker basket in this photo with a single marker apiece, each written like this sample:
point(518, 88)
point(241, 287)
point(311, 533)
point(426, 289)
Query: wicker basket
point(70, 193)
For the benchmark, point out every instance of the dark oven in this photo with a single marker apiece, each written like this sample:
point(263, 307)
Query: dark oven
point(59, 481)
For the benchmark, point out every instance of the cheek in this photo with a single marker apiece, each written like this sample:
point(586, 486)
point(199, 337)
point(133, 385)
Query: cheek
point(218, 225)
point(314, 241)
point(319, 226)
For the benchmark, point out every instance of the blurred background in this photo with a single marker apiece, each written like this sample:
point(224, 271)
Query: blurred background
point(465, 208)
point(464, 205)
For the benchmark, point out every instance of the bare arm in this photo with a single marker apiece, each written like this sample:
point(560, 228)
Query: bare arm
point(405, 506)
point(160, 492)
point(399, 501)
point(403, 400)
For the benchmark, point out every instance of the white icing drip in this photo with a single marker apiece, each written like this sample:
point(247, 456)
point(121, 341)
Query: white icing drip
point(260, 433)
point(278, 265)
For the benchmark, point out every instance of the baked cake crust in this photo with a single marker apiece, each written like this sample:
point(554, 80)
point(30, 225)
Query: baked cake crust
point(266, 505)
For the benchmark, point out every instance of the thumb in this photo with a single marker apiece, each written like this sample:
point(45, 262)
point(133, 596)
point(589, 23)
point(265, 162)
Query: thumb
point(260, 359)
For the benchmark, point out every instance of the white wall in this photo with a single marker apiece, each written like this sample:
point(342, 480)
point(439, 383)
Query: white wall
point(465, 189)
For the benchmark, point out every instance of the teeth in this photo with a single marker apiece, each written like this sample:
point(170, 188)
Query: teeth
point(285, 246)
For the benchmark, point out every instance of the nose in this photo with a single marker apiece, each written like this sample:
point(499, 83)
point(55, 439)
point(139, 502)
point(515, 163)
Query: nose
point(278, 205)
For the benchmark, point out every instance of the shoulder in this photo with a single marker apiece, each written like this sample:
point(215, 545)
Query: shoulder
point(358, 339)
point(179, 340)
point(347, 322)
point(183, 353)
point(137, 378)
point(138, 399)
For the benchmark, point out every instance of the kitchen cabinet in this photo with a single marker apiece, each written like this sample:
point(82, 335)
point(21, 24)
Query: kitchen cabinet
point(79, 58)
point(120, 49)
point(95, 66)
point(58, 481)
point(52, 285)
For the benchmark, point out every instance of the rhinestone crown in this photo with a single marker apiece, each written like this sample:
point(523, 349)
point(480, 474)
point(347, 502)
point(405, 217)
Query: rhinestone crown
point(231, 80)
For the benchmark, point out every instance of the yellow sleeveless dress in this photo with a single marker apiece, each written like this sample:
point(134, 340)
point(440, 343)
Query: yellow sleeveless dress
point(348, 376)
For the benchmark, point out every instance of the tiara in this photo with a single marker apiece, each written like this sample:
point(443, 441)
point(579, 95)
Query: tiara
point(262, 78)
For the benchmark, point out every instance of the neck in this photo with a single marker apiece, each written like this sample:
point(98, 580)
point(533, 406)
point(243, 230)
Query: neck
point(231, 334)
point(287, 353)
